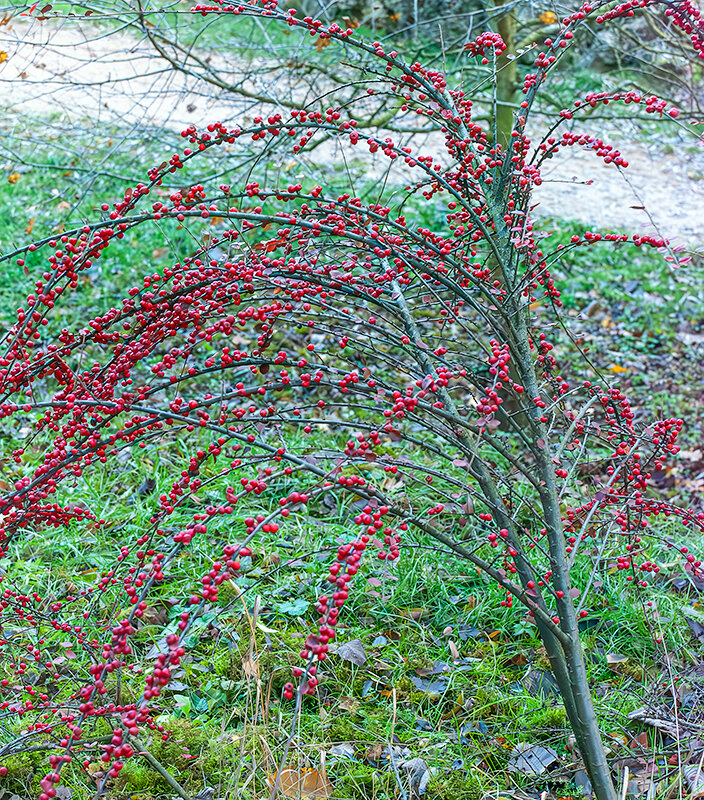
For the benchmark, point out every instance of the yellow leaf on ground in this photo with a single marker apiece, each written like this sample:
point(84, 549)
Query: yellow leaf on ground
point(617, 369)
point(14, 177)
point(548, 17)
point(302, 784)
point(3, 56)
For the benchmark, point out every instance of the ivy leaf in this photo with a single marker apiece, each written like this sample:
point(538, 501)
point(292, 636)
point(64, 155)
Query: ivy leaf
point(293, 608)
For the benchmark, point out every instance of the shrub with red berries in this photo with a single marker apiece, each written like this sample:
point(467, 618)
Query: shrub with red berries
point(311, 334)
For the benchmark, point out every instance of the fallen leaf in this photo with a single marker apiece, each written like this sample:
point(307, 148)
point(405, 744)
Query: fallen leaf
point(349, 704)
point(415, 613)
point(302, 784)
point(431, 687)
point(696, 627)
point(436, 668)
point(418, 775)
point(30, 225)
point(13, 177)
point(374, 752)
point(344, 750)
point(582, 782)
point(353, 652)
point(145, 488)
point(250, 666)
point(3, 56)
point(531, 759)
point(694, 775)
point(548, 18)
point(641, 741)
point(616, 658)
point(541, 683)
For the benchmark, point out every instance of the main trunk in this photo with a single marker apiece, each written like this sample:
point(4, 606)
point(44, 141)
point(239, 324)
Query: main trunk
point(571, 677)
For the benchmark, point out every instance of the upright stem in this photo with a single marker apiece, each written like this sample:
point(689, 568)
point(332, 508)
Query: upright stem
point(506, 77)
point(566, 660)
point(579, 706)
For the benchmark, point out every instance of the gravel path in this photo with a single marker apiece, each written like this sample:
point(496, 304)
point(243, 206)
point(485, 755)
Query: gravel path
point(71, 73)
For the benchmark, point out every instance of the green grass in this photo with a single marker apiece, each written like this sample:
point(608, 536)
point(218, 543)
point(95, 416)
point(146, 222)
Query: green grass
point(474, 713)
point(480, 710)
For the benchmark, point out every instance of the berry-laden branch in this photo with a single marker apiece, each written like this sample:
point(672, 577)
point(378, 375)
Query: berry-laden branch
point(314, 333)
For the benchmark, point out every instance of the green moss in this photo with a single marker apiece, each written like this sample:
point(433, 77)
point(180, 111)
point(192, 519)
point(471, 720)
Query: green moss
point(549, 717)
point(225, 664)
point(136, 776)
point(185, 738)
point(342, 729)
point(456, 785)
point(228, 592)
point(483, 650)
point(147, 633)
point(221, 756)
point(19, 767)
point(487, 702)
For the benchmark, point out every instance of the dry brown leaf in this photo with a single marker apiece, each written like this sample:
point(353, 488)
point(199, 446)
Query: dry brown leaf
point(415, 613)
point(375, 751)
point(30, 225)
point(349, 704)
point(302, 784)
